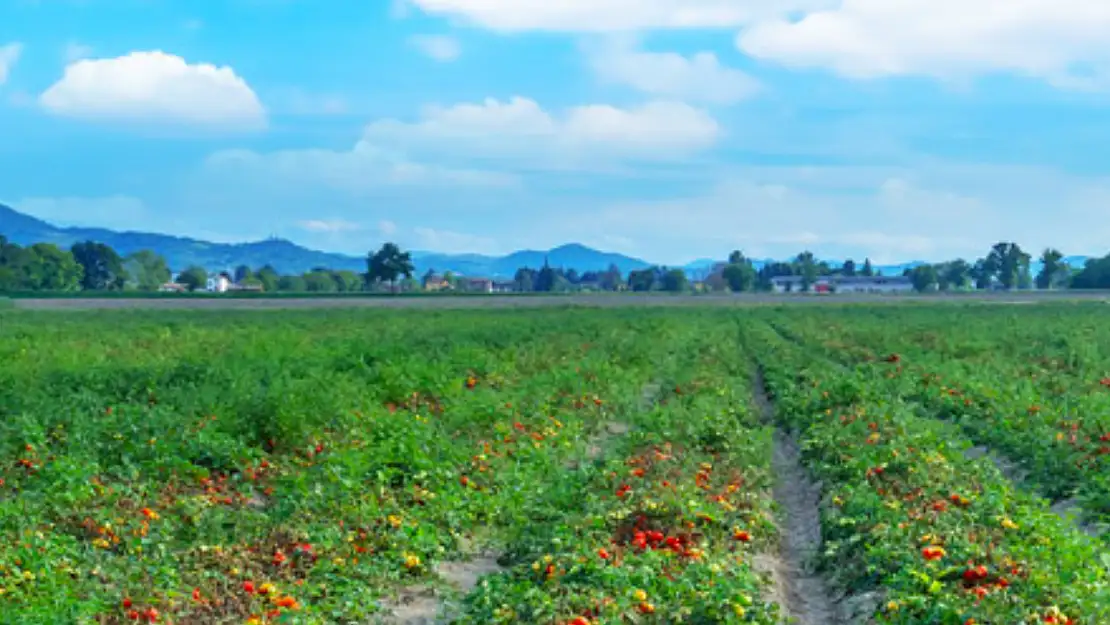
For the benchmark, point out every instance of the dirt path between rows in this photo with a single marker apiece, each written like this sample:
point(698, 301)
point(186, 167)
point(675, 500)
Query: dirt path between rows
point(802, 592)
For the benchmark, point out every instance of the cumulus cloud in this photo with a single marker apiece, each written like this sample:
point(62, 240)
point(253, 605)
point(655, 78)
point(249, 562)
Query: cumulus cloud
point(521, 130)
point(157, 88)
point(438, 47)
point(9, 56)
point(892, 214)
point(697, 78)
point(1063, 41)
point(611, 15)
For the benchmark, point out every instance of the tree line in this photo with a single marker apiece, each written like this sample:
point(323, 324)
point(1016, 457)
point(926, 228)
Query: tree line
point(92, 266)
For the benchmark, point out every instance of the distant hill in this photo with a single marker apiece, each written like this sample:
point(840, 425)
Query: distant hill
point(288, 257)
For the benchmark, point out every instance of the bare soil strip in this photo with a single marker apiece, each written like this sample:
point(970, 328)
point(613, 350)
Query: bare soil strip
point(802, 592)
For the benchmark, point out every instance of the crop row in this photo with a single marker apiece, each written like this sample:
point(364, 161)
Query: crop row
point(909, 522)
point(1050, 423)
point(303, 467)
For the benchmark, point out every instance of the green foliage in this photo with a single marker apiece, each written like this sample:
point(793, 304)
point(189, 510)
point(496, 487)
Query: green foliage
point(388, 264)
point(146, 270)
point(102, 267)
point(194, 278)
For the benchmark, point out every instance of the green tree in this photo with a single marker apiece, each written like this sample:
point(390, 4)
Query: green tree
point(102, 266)
point(242, 273)
point(1007, 262)
point(642, 279)
point(807, 268)
point(867, 270)
point(268, 277)
point(194, 278)
point(611, 278)
point(388, 264)
point(739, 277)
point(292, 284)
point(675, 281)
point(544, 281)
point(1094, 275)
point(525, 279)
point(849, 268)
point(320, 282)
point(147, 270)
point(346, 281)
point(52, 268)
point(923, 277)
point(1054, 271)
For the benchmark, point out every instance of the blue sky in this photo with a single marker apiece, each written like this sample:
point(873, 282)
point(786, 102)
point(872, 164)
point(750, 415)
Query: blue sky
point(666, 129)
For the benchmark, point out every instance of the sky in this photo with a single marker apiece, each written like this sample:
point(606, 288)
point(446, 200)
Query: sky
point(669, 130)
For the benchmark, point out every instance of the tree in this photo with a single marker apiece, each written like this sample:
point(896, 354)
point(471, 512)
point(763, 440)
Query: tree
point(1007, 261)
point(807, 268)
point(268, 277)
point(147, 270)
point(923, 277)
point(320, 282)
point(867, 270)
point(292, 284)
point(675, 281)
point(388, 264)
point(982, 274)
point(103, 267)
point(737, 258)
point(611, 278)
point(642, 279)
point(346, 281)
point(849, 268)
point(1094, 275)
point(739, 277)
point(1054, 271)
point(242, 272)
point(525, 279)
point(954, 274)
point(544, 281)
point(52, 268)
point(194, 278)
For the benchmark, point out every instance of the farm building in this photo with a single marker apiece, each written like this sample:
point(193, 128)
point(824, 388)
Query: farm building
point(844, 284)
point(873, 284)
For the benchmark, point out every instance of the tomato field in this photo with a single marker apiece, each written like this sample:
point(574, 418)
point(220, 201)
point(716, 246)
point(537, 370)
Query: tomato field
point(842, 464)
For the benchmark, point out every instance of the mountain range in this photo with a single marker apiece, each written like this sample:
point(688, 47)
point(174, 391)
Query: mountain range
point(288, 257)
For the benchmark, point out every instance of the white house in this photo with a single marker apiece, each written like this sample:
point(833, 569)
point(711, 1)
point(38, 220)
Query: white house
point(218, 283)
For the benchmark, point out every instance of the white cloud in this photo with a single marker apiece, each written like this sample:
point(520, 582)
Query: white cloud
point(386, 227)
point(698, 78)
point(438, 47)
point(9, 56)
point(116, 211)
point(75, 51)
point(1059, 40)
point(362, 169)
point(519, 129)
point(892, 214)
point(329, 225)
point(155, 87)
point(611, 15)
